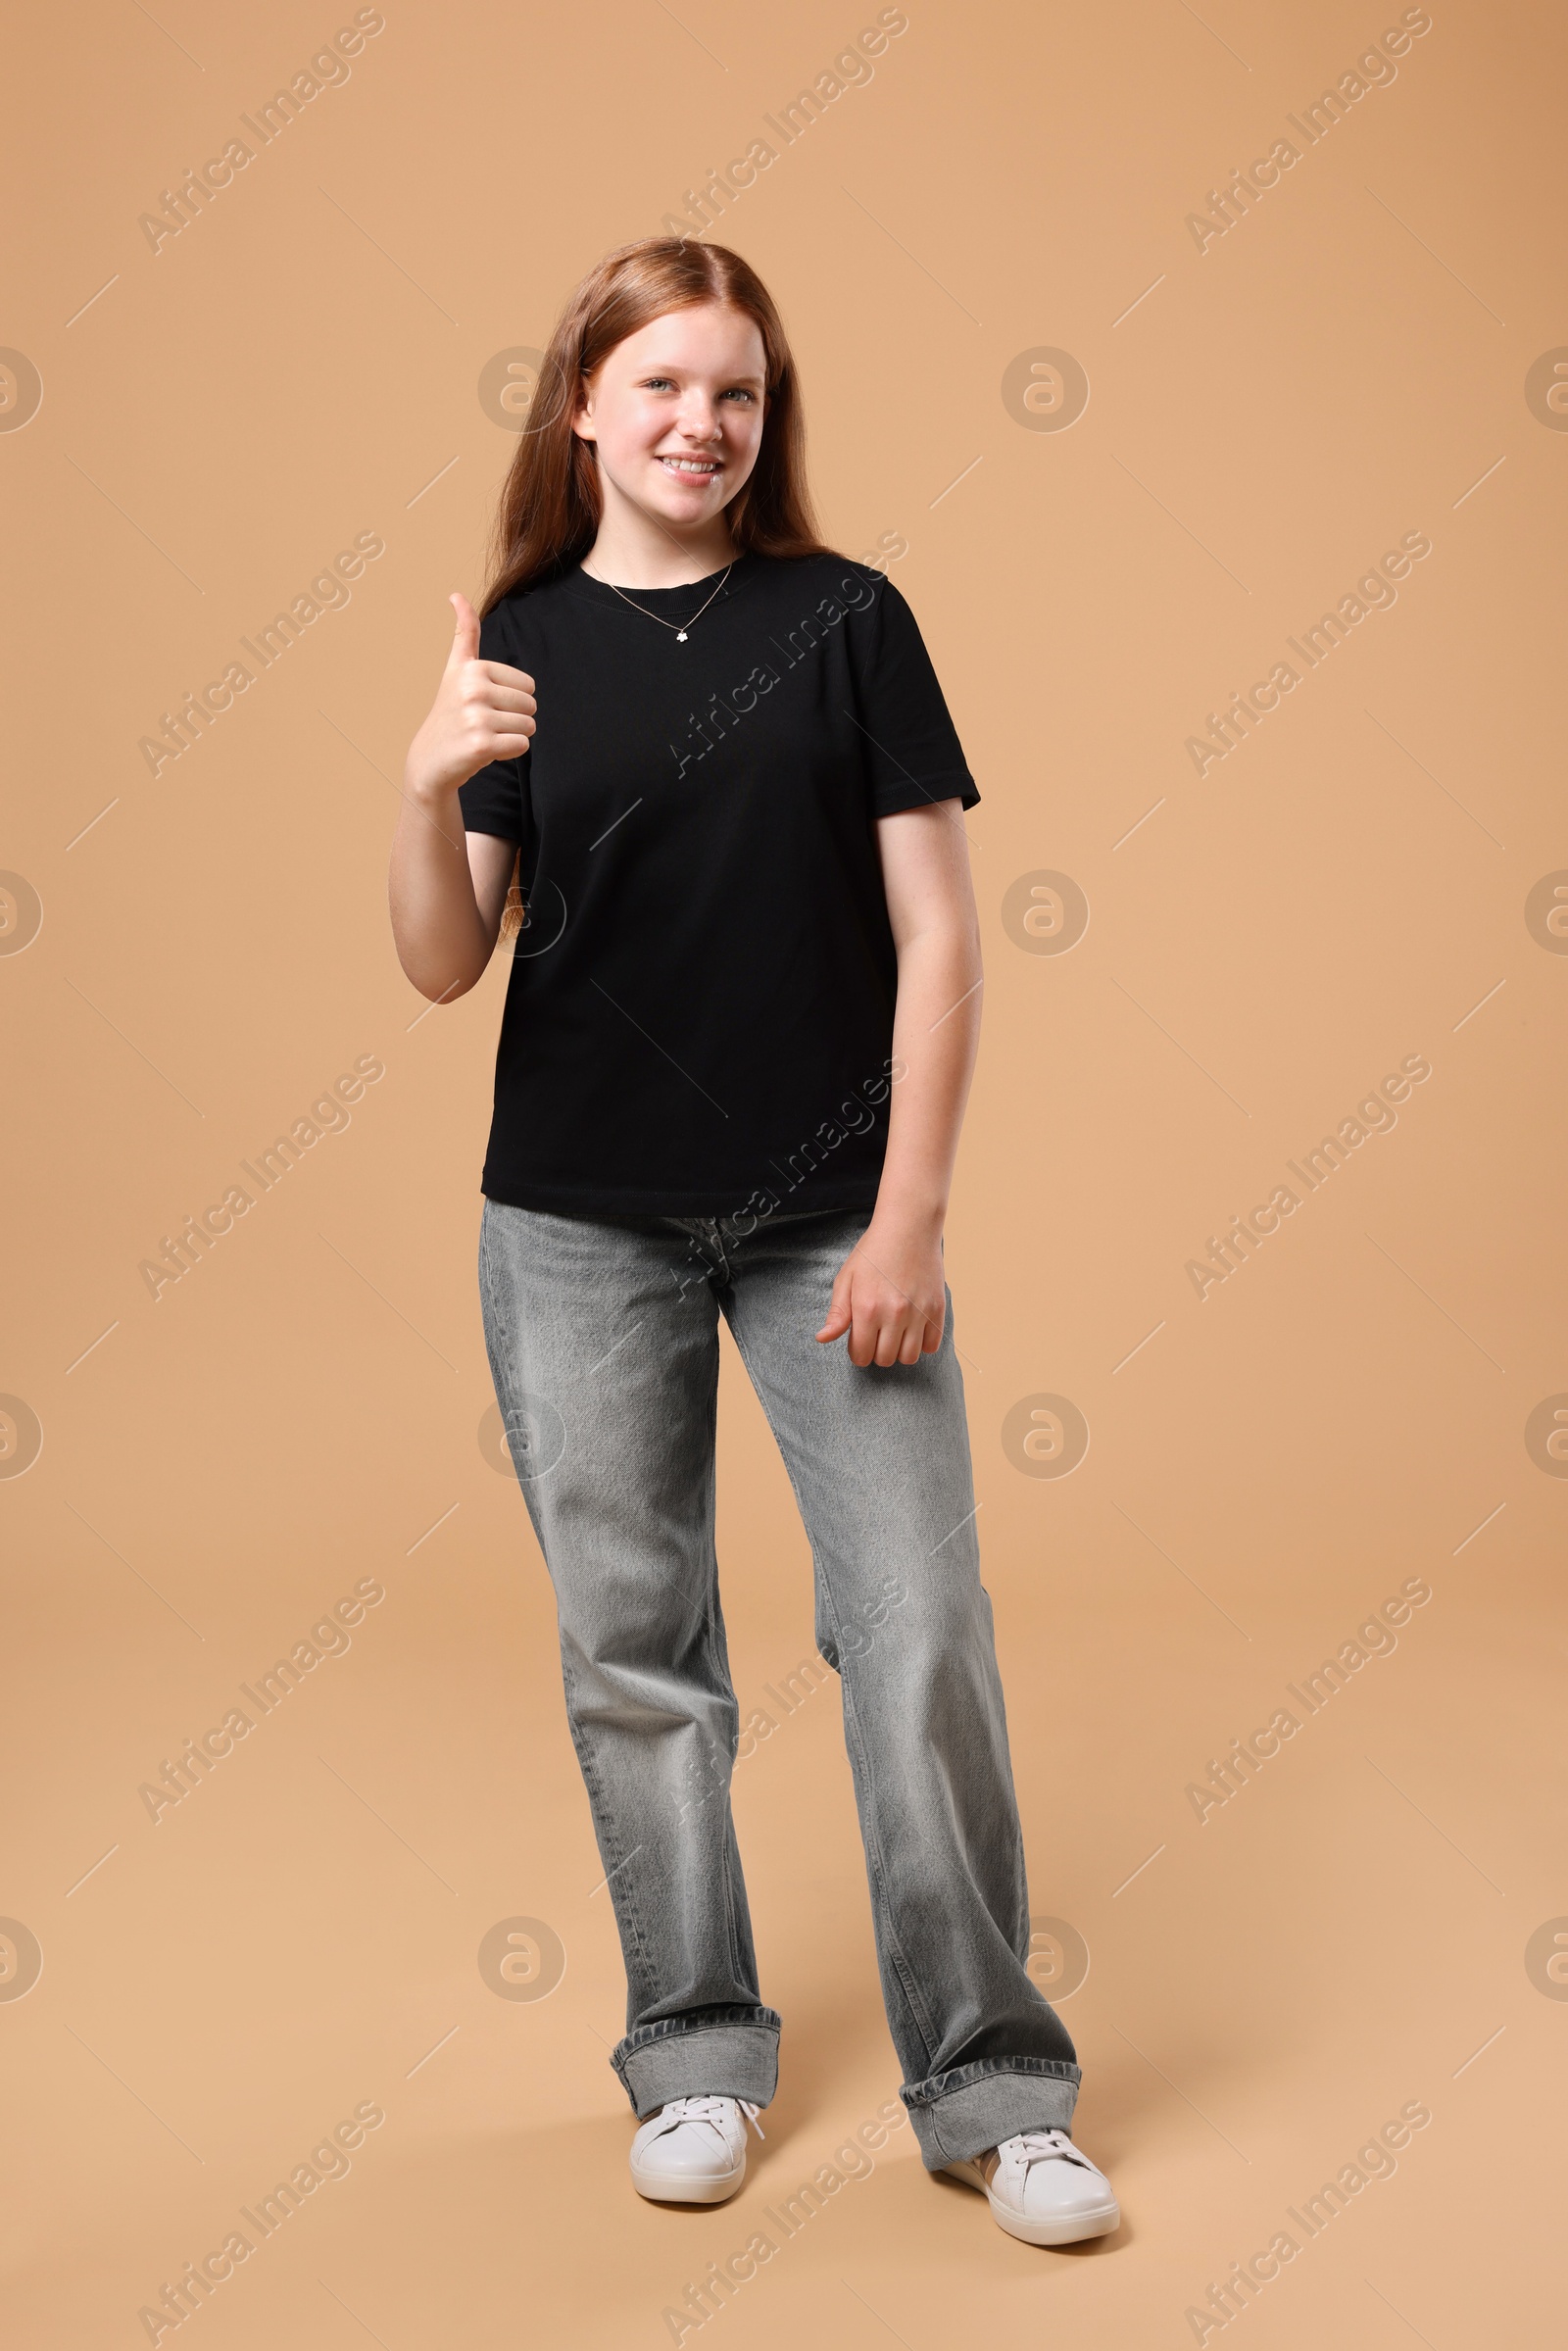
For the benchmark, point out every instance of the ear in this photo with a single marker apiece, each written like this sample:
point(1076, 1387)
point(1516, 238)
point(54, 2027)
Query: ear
point(582, 414)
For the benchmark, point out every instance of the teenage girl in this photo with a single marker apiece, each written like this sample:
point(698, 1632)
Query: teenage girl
point(698, 767)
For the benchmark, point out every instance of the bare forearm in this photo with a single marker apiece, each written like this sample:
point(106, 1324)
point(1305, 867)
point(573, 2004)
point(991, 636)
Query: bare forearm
point(936, 1032)
point(436, 923)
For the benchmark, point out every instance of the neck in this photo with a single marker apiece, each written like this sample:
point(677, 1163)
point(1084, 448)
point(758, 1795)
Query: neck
point(633, 549)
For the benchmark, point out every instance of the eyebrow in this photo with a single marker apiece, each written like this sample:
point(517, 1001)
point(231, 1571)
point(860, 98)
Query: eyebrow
point(667, 368)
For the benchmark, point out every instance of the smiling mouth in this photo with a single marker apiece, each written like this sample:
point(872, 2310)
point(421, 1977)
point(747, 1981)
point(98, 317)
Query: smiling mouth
point(700, 469)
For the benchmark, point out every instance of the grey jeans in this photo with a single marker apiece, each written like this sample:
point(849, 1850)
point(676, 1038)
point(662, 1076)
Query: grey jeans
point(603, 1337)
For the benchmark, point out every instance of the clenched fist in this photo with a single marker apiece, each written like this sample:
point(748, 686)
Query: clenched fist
point(483, 711)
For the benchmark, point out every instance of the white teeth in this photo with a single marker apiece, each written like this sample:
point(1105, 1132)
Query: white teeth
point(681, 464)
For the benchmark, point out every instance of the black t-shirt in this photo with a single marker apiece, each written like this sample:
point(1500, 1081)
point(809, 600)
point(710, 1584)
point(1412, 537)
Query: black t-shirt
point(699, 1020)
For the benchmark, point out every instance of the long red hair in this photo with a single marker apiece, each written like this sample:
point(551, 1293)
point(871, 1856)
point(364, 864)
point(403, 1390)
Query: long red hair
point(550, 506)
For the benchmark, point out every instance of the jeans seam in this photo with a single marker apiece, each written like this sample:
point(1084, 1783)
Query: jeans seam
point(502, 1356)
point(906, 1973)
point(719, 1665)
point(490, 1314)
point(851, 1723)
point(624, 1899)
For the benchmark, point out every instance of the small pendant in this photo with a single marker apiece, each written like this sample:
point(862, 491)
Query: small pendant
point(680, 638)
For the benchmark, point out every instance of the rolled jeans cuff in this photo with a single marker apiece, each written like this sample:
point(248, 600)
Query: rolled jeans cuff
point(975, 2106)
point(724, 2052)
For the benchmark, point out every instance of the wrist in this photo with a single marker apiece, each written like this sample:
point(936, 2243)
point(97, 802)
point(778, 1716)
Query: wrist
point(918, 1220)
point(433, 794)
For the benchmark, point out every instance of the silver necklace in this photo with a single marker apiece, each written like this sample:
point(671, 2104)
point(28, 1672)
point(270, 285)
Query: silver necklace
point(680, 632)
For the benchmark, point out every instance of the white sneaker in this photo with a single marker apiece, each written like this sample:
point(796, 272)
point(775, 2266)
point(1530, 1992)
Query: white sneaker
point(1042, 2189)
point(695, 2151)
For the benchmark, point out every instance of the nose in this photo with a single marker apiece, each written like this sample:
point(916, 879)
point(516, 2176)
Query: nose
point(699, 419)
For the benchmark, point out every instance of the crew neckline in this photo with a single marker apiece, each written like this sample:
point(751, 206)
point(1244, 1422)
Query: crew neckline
point(684, 587)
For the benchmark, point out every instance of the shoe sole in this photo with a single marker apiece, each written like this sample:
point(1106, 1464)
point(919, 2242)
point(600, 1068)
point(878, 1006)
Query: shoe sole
point(1070, 2230)
point(666, 2187)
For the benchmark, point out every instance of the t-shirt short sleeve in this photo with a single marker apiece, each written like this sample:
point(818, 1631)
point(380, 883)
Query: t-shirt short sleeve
point(493, 801)
point(910, 745)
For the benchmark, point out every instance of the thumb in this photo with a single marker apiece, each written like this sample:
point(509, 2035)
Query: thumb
point(465, 640)
point(839, 1316)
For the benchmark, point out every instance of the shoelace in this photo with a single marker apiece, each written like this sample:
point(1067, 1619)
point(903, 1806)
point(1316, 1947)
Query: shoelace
point(1033, 2147)
point(708, 2110)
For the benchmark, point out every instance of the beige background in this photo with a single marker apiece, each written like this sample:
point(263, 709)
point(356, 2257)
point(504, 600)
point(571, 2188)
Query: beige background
point(1351, 1932)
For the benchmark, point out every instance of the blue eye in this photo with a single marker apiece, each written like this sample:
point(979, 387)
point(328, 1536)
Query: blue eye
point(656, 383)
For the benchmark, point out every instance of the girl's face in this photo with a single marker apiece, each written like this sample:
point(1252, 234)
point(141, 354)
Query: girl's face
point(676, 413)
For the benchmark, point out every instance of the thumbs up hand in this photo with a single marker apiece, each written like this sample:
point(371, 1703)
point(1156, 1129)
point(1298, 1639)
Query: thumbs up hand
point(483, 711)
point(465, 636)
